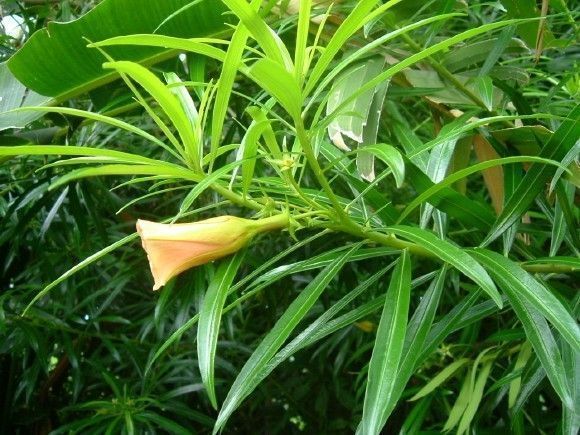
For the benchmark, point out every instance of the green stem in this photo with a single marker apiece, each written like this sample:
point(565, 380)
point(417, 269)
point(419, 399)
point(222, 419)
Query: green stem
point(318, 172)
point(275, 222)
point(346, 225)
point(444, 72)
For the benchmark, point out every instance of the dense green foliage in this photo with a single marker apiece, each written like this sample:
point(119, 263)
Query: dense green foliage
point(425, 153)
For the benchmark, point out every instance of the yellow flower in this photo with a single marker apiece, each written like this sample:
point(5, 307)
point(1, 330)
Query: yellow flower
point(174, 248)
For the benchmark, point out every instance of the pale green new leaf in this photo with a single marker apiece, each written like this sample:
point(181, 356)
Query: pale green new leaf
point(440, 378)
point(279, 83)
point(269, 41)
point(168, 102)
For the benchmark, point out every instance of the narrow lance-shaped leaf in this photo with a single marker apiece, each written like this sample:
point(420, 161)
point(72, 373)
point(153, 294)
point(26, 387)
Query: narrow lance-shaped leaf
point(417, 330)
point(279, 83)
point(529, 309)
point(245, 380)
point(312, 333)
point(451, 254)
point(388, 348)
point(168, 102)
point(516, 281)
point(209, 321)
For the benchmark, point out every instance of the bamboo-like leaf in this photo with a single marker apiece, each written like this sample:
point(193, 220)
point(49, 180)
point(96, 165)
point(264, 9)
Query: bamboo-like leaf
point(451, 254)
point(300, 55)
point(350, 58)
point(388, 348)
point(205, 183)
point(165, 170)
point(515, 385)
point(231, 64)
point(529, 312)
point(279, 83)
point(353, 22)
point(469, 212)
point(460, 404)
point(209, 321)
point(517, 283)
point(168, 102)
point(571, 416)
point(399, 66)
point(312, 333)
point(417, 331)
point(269, 41)
point(248, 152)
point(196, 45)
point(71, 150)
point(559, 226)
point(242, 386)
point(188, 106)
point(101, 118)
point(86, 262)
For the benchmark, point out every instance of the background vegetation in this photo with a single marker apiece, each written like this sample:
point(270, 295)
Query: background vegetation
point(426, 153)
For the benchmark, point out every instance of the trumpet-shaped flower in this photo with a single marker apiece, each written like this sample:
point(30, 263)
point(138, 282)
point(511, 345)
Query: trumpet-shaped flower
point(174, 248)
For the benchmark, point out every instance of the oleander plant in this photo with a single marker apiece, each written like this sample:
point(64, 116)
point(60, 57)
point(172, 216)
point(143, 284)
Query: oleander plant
point(279, 217)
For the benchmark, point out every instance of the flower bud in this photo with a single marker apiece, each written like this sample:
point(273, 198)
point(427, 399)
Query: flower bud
point(174, 248)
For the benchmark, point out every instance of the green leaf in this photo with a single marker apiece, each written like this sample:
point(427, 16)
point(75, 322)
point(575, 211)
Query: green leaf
point(209, 321)
point(300, 54)
point(530, 307)
point(451, 254)
point(86, 262)
point(244, 382)
point(194, 45)
point(101, 118)
point(399, 66)
point(230, 66)
point(417, 331)
point(391, 157)
point(533, 182)
point(268, 40)
point(517, 283)
point(168, 101)
point(279, 83)
point(312, 333)
point(205, 183)
point(359, 15)
point(569, 263)
point(475, 398)
point(248, 152)
point(388, 348)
